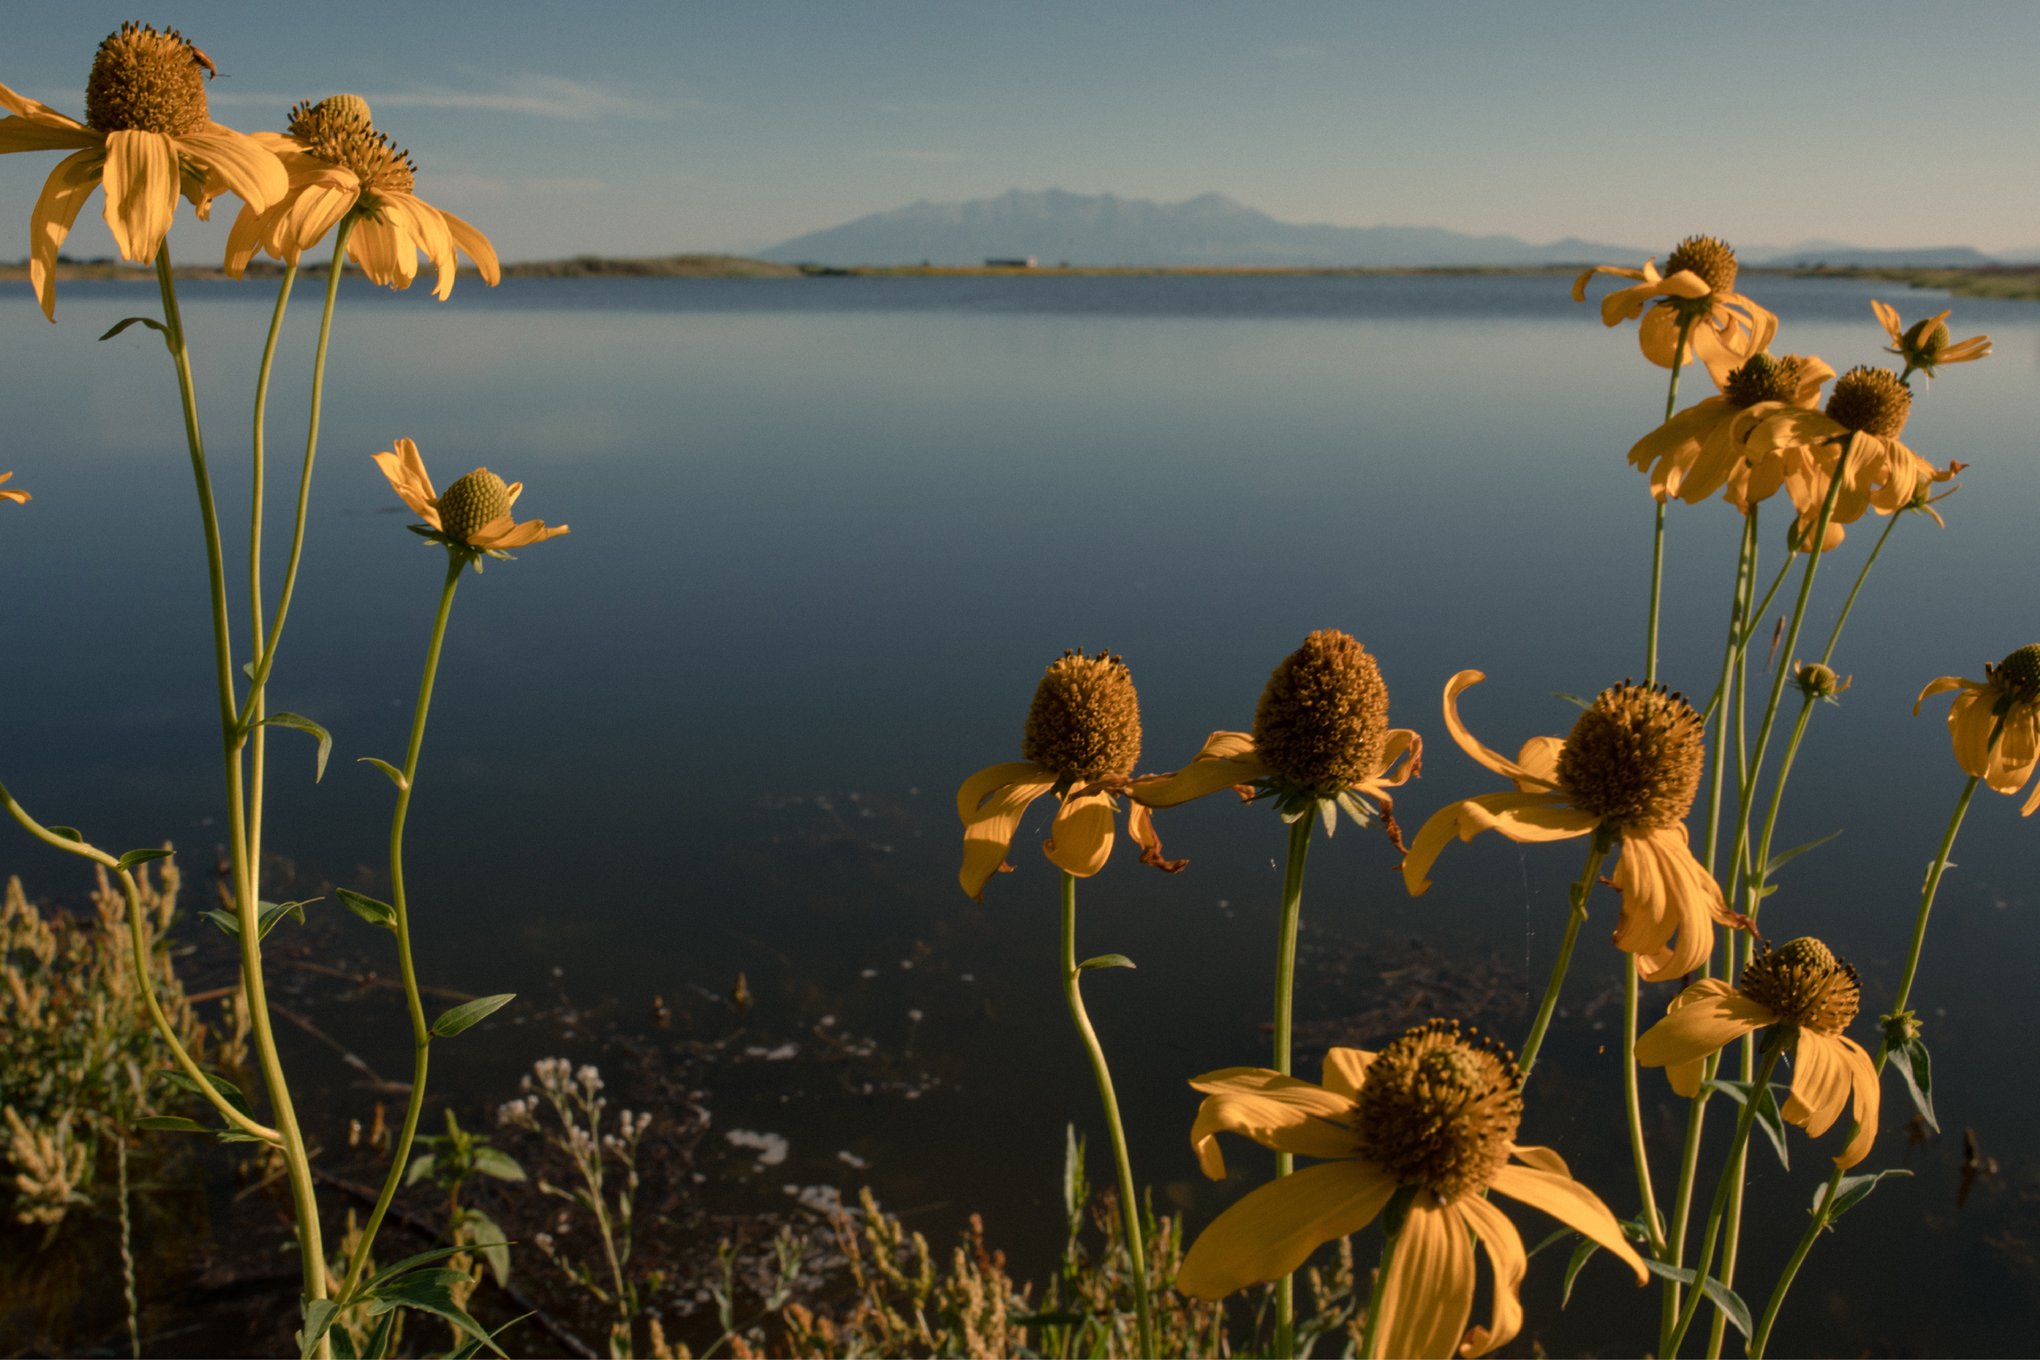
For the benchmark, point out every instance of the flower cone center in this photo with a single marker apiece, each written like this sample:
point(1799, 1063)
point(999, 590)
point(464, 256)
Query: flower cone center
point(1322, 721)
point(1764, 378)
point(1806, 985)
point(1634, 757)
point(472, 502)
point(338, 129)
point(1707, 256)
point(1872, 400)
point(1438, 1111)
point(145, 81)
point(1084, 723)
point(2019, 674)
point(1925, 340)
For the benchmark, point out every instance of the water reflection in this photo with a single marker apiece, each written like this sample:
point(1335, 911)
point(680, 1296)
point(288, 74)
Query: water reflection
point(826, 534)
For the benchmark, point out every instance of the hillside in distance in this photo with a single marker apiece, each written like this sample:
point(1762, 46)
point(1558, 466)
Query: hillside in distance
point(1057, 227)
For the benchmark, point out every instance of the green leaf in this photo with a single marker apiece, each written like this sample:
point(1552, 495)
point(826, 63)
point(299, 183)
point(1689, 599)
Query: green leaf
point(134, 857)
point(470, 1013)
point(1918, 1070)
point(428, 1291)
point(272, 914)
point(491, 1244)
point(1768, 1117)
point(403, 1267)
point(1575, 700)
point(148, 321)
point(1355, 807)
point(1106, 961)
point(420, 1168)
point(227, 1090)
point(1784, 857)
point(1587, 1247)
point(497, 1163)
point(237, 1136)
point(396, 775)
point(468, 1350)
point(319, 1315)
point(1328, 813)
point(1551, 1239)
point(69, 833)
point(227, 922)
point(1851, 1191)
point(1727, 1300)
point(301, 723)
point(169, 1123)
point(379, 1341)
point(1073, 1171)
point(368, 908)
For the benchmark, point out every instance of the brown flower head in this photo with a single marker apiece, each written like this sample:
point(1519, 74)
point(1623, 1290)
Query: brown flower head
point(1084, 723)
point(1322, 721)
point(1634, 757)
point(1440, 1112)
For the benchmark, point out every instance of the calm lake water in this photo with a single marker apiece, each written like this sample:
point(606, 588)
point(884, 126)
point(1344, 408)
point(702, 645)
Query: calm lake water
point(826, 533)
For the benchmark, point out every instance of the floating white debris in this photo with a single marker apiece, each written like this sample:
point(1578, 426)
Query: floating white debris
point(823, 1199)
point(915, 1015)
point(826, 1021)
point(906, 963)
point(967, 977)
point(771, 1148)
point(869, 973)
point(853, 1161)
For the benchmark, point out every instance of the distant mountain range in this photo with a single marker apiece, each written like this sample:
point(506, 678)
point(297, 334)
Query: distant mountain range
point(1057, 227)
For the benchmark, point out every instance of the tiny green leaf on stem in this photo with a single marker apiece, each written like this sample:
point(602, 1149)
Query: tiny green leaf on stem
point(1784, 857)
point(227, 922)
point(1917, 1069)
point(134, 857)
point(1727, 1300)
point(272, 914)
point(369, 909)
point(319, 1315)
point(299, 722)
point(496, 1163)
point(169, 1123)
point(1106, 961)
point(469, 1013)
point(148, 321)
point(226, 1090)
point(1851, 1191)
point(429, 1291)
point(69, 833)
point(1585, 1249)
point(491, 1244)
point(420, 1168)
point(396, 775)
point(1768, 1117)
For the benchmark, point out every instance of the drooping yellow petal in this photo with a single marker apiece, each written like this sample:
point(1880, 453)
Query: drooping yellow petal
point(1228, 759)
point(1572, 1204)
point(1140, 824)
point(988, 830)
point(1865, 1098)
point(1080, 841)
point(1820, 1083)
point(1539, 758)
point(503, 532)
point(1579, 288)
point(476, 247)
point(1274, 1229)
point(1346, 1070)
point(13, 493)
point(1704, 1019)
point(405, 468)
point(56, 208)
point(1468, 743)
point(1889, 316)
point(1275, 1111)
point(1526, 817)
point(1504, 1247)
point(236, 163)
point(1543, 1158)
point(141, 182)
point(1401, 745)
point(1428, 1295)
point(1665, 894)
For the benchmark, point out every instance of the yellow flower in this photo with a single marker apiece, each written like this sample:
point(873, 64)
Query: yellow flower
point(1858, 433)
point(1321, 741)
point(1925, 345)
point(1082, 741)
point(147, 137)
point(1697, 290)
point(1803, 987)
point(1705, 447)
point(11, 493)
point(2009, 690)
point(1627, 774)
point(1430, 1112)
point(473, 514)
point(340, 165)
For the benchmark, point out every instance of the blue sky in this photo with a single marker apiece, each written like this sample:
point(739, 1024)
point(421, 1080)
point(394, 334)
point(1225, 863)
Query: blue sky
point(652, 128)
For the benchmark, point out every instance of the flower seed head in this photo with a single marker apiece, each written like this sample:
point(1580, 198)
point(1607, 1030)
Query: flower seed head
point(1765, 378)
point(1923, 342)
point(145, 81)
point(2019, 674)
point(1084, 724)
point(338, 129)
point(1440, 1111)
point(1707, 256)
point(1634, 757)
point(1806, 985)
point(472, 502)
point(1872, 400)
point(1819, 682)
point(1323, 718)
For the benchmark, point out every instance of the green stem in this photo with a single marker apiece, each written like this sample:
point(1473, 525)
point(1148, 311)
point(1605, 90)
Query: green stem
point(1712, 1232)
point(255, 708)
point(1821, 1219)
point(141, 947)
point(297, 1162)
point(1836, 636)
point(421, 1033)
point(1129, 1198)
point(1657, 539)
point(1654, 1227)
point(1575, 917)
point(1285, 995)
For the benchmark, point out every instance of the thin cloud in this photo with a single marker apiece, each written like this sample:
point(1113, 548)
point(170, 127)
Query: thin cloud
point(917, 155)
point(535, 96)
point(1299, 52)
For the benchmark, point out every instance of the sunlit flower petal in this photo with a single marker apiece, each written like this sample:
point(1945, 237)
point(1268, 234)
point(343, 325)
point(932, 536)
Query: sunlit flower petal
point(1276, 1227)
point(1428, 1295)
